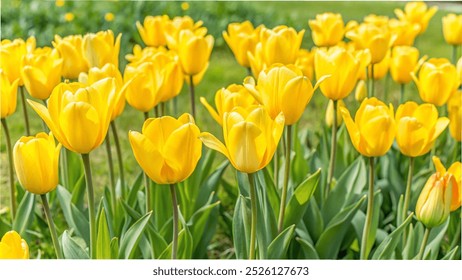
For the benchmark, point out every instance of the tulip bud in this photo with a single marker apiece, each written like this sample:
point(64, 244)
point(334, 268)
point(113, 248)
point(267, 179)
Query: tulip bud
point(9, 93)
point(152, 31)
point(418, 13)
point(404, 61)
point(12, 246)
point(455, 115)
point(455, 170)
point(70, 49)
point(194, 51)
point(452, 29)
point(100, 48)
point(327, 29)
point(330, 113)
point(241, 39)
point(361, 91)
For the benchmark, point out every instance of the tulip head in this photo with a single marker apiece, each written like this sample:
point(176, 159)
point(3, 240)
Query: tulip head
point(405, 32)
point(455, 115)
point(168, 149)
point(194, 51)
point(373, 130)
point(141, 93)
point(327, 29)
point(171, 75)
point(418, 126)
point(377, 39)
point(418, 13)
point(36, 162)
point(152, 31)
point(404, 61)
point(241, 39)
point(455, 170)
point(9, 93)
point(101, 48)
point(452, 29)
point(11, 54)
point(70, 49)
point(12, 246)
point(173, 28)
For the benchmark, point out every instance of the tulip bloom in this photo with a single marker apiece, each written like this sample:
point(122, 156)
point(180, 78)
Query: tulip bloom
point(404, 61)
point(141, 94)
point(418, 127)
point(41, 72)
point(404, 31)
point(100, 48)
point(79, 116)
point(152, 31)
point(226, 99)
point(373, 130)
point(70, 49)
point(251, 138)
point(455, 115)
point(41, 155)
point(12, 246)
point(241, 39)
point(369, 36)
point(452, 29)
point(455, 170)
point(168, 149)
point(173, 28)
point(418, 13)
point(327, 29)
point(9, 93)
point(194, 51)
point(437, 81)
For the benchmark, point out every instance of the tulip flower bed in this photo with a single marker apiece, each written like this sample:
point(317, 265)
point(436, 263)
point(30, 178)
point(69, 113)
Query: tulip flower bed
point(331, 139)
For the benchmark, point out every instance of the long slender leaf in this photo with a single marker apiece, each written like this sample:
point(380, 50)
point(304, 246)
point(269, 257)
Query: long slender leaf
point(130, 239)
point(278, 247)
point(103, 240)
point(71, 248)
point(25, 214)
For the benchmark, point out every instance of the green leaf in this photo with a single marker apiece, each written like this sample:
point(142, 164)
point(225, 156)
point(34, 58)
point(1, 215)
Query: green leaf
point(313, 220)
point(278, 247)
point(130, 239)
point(114, 248)
point(210, 185)
point(103, 241)
point(25, 213)
point(308, 249)
point(241, 228)
point(298, 202)
point(78, 193)
point(198, 221)
point(434, 240)
point(451, 255)
point(185, 244)
point(71, 248)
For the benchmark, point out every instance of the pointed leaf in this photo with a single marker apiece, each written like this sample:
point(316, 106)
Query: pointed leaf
point(278, 248)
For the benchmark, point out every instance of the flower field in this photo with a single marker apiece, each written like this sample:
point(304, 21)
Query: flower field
point(231, 130)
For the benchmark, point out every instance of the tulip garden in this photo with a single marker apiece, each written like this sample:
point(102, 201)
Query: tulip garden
point(201, 130)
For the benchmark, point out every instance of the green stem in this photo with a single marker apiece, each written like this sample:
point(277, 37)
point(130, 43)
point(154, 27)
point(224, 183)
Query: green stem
point(91, 204)
point(276, 168)
point(64, 167)
point(146, 115)
point(147, 182)
point(51, 225)
point(249, 71)
point(24, 107)
point(111, 171)
point(372, 81)
point(454, 54)
point(163, 109)
point(402, 90)
point(11, 172)
point(175, 221)
point(282, 207)
point(156, 111)
point(119, 156)
point(407, 195)
point(424, 243)
point(253, 227)
point(193, 102)
point(333, 150)
point(370, 207)
point(432, 153)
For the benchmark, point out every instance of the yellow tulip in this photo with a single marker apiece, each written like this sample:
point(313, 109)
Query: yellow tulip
point(381, 68)
point(417, 12)
point(100, 48)
point(173, 28)
point(251, 138)
point(455, 170)
point(168, 149)
point(241, 39)
point(404, 31)
point(452, 29)
point(437, 81)
point(459, 69)
point(404, 61)
point(305, 62)
point(13, 246)
point(418, 126)
point(283, 89)
point(360, 91)
point(376, 20)
point(455, 115)
point(152, 30)
point(226, 99)
point(11, 54)
point(170, 74)
point(198, 77)
point(9, 93)
point(79, 116)
point(343, 66)
point(147, 54)
point(194, 51)
point(70, 49)
point(330, 113)
point(36, 162)
point(327, 29)
point(41, 72)
point(141, 94)
point(373, 130)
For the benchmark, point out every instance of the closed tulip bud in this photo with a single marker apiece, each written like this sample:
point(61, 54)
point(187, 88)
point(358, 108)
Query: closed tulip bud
point(305, 62)
point(373, 130)
point(9, 93)
point(455, 170)
point(36, 162)
point(194, 51)
point(12, 246)
point(434, 202)
point(280, 44)
point(330, 113)
point(437, 81)
point(171, 158)
point(251, 137)
point(327, 29)
point(455, 115)
point(452, 29)
point(360, 91)
point(41, 72)
point(173, 28)
point(417, 12)
point(343, 66)
point(241, 39)
point(226, 99)
point(404, 31)
point(404, 61)
point(79, 116)
point(100, 48)
point(152, 31)
point(418, 127)
point(70, 49)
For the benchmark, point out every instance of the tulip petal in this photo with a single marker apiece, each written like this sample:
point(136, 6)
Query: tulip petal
point(148, 156)
point(246, 146)
point(213, 143)
point(212, 111)
point(438, 165)
point(352, 128)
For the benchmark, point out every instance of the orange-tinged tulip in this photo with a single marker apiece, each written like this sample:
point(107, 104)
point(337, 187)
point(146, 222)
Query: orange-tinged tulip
point(455, 115)
point(41, 72)
point(13, 246)
point(194, 51)
point(173, 28)
point(373, 130)
point(168, 149)
point(305, 61)
point(404, 31)
point(79, 116)
point(9, 93)
point(330, 113)
point(418, 127)
point(452, 29)
point(251, 138)
point(327, 29)
point(417, 12)
point(226, 99)
point(101, 48)
point(437, 81)
point(404, 61)
point(152, 31)
point(456, 171)
point(70, 49)
point(36, 162)
point(241, 39)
